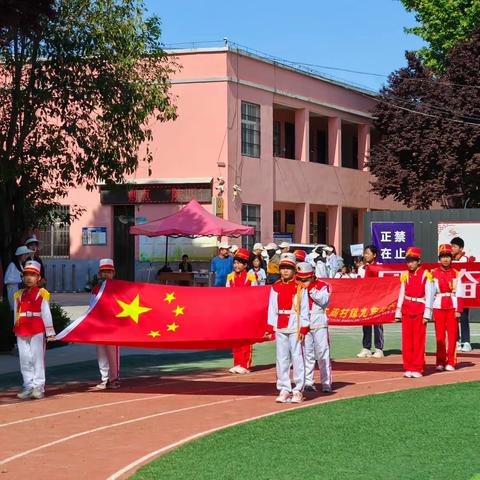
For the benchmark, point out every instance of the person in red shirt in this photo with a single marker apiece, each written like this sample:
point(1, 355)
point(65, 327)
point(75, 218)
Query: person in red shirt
point(32, 321)
point(242, 356)
point(446, 309)
point(414, 309)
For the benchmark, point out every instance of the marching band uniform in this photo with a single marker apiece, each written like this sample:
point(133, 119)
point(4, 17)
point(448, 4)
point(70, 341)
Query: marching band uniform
point(288, 316)
point(242, 356)
point(300, 255)
point(415, 303)
point(32, 321)
point(108, 356)
point(445, 307)
point(317, 342)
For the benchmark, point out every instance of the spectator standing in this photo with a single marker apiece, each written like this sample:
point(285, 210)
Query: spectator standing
point(33, 244)
point(222, 265)
point(257, 271)
point(332, 261)
point(370, 254)
point(13, 278)
point(273, 270)
point(463, 343)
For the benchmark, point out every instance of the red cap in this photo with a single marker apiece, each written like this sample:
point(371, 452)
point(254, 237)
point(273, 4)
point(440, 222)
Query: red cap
point(445, 249)
point(242, 254)
point(414, 252)
point(300, 255)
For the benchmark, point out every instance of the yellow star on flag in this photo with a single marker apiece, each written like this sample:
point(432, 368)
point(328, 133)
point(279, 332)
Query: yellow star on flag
point(132, 310)
point(179, 310)
point(154, 333)
point(172, 327)
point(169, 297)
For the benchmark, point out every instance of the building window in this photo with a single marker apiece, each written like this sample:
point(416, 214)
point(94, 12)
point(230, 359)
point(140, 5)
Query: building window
point(290, 140)
point(251, 217)
point(55, 238)
point(277, 139)
point(250, 129)
point(277, 221)
point(290, 221)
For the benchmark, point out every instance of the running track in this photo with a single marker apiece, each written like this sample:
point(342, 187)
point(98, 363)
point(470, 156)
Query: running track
point(108, 435)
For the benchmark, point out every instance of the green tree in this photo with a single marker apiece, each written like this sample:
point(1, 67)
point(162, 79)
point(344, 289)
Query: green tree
point(442, 23)
point(78, 94)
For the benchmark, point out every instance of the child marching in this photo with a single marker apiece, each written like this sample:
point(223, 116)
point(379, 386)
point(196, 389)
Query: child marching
point(32, 322)
point(414, 309)
point(317, 343)
point(446, 309)
point(288, 316)
point(108, 355)
point(242, 356)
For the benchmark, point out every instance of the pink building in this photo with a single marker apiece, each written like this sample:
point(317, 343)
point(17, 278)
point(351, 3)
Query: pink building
point(289, 146)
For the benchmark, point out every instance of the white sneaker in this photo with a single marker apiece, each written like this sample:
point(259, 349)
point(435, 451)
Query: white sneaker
point(364, 353)
point(459, 347)
point(297, 397)
point(378, 354)
point(101, 385)
point(407, 374)
point(466, 347)
point(450, 368)
point(25, 394)
point(284, 397)
point(416, 375)
point(439, 368)
point(233, 370)
point(242, 370)
point(37, 394)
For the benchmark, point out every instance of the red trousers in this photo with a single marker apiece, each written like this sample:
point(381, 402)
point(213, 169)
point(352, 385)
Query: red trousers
point(414, 333)
point(446, 326)
point(242, 356)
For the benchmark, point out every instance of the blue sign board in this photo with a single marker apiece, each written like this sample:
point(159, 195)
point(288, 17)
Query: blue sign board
point(392, 240)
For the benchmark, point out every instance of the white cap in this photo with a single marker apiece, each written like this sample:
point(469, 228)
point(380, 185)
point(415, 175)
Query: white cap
point(258, 246)
point(32, 239)
point(328, 249)
point(106, 264)
point(234, 248)
point(224, 245)
point(313, 255)
point(284, 245)
point(32, 267)
point(288, 259)
point(22, 250)
point(305, 269)
point(271, 246)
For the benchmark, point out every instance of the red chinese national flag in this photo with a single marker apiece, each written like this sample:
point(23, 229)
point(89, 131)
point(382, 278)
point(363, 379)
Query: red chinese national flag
point(192, 318)
point(170, 317)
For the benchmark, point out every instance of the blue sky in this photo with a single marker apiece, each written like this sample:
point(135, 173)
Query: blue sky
point(363, 35)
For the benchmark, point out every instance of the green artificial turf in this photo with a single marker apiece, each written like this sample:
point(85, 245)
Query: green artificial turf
point(420, 434)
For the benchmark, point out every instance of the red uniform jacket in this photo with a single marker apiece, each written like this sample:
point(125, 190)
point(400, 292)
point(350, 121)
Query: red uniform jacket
point(32, 312)
point(445, 287)
point(242, 279)
point(416, 294)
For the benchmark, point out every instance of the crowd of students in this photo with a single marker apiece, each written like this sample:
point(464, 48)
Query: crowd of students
point(296, 315)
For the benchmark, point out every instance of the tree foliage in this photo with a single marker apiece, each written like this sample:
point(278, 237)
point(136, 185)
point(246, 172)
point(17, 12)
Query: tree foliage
point(78, 94)
point(442, 23)
point(428, 149)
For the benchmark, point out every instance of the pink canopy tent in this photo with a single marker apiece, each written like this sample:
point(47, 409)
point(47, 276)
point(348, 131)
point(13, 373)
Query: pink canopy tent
point(191, 221)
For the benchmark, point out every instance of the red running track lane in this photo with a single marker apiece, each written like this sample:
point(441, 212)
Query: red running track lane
point(108, 435)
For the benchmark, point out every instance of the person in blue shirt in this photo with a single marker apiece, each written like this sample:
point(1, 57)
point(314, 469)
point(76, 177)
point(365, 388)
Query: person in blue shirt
point(222, 265)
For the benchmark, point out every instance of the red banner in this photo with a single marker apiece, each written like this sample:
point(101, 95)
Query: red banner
point(468, 281)
point(194, 318)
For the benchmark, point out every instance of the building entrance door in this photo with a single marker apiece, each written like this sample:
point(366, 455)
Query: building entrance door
point(124, 242)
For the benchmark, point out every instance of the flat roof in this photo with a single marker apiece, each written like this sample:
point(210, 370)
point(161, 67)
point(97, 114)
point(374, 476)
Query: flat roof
point(278, 62)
